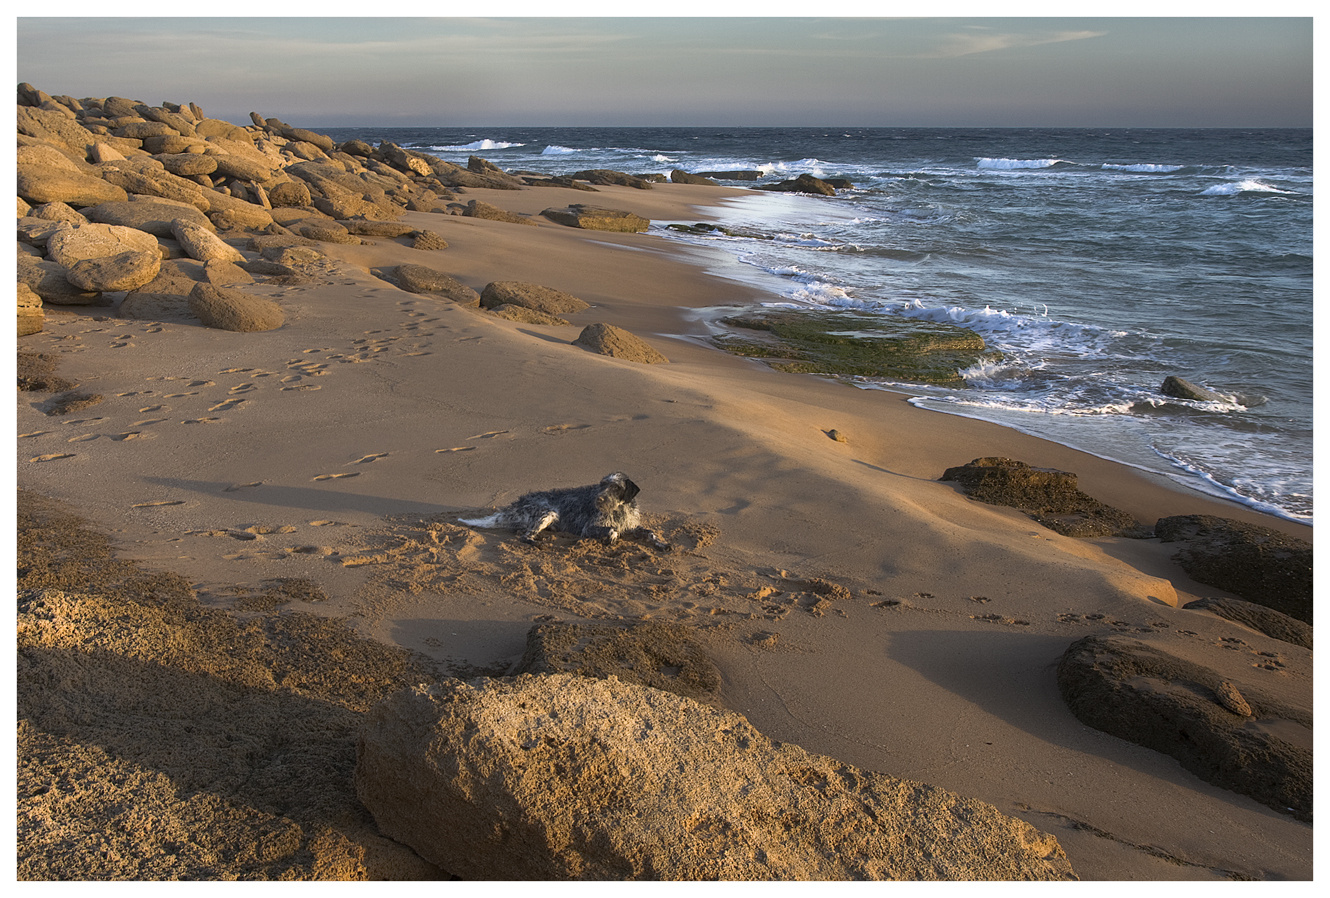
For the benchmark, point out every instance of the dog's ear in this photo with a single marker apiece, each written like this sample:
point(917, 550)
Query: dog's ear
point(630, 490)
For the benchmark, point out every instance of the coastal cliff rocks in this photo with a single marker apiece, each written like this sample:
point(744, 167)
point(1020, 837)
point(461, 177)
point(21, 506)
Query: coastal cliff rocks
point(567, 777)
point(1231, 735)
point(679, 176)
point(231, 310)
point(422, 279)
point(659, 655)
point(1050, 497)
point(1272, 623)
point(477, 209)
point(606, 339)
point(1259, 564)
point(596, 218)
point(805, 183)
point(609, 176)
point(532, 296)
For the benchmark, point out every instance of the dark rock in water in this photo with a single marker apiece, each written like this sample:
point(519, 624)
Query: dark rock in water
point(1260, 564)
point(704, 229)
point(1050, 497)
point(595, 218)
point(745, 175)
point(659, 655)
point(1179, 388)
point(805, 183)
point(1272, 623)
point(679, 176)
point(608, 176)
point(1142, 694)
point(842, 343)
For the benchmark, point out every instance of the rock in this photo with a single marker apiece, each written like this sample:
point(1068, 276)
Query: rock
point(565, 777)
point(187, 165)
point(141, 306)
point(428, 241)
point(95, 241)
point(837, 436)
point(327, 231)
point(608, 176)
point(366, 228)
point(229, 213)
point(58, 212)
point(31, 317)
point(1147, 696)
point(48, 280)
point(1179, 388)
point(595, 218)
point(420, 279)
point(123, 271)
point(201, 243)
point(1050, 497)
point(289, 193)
point(1272, 623)
point(1260, 564)
point(660, 655)
point(477, 209)
point(232, 310)
point(241, 168)
point(679, 176)
point(805, 183)
point(36, 374)
point(528, 316)
point(225, 273)
point(745, 175)
point(154, 216)
point(35, 232)
point(65, 403)
point(43, 179)
point(606, 339)
point(532, 296)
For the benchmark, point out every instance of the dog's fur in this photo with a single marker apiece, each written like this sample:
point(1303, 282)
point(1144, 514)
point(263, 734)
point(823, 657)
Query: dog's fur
point(605, 510)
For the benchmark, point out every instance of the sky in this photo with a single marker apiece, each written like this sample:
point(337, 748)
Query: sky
point(689, 70)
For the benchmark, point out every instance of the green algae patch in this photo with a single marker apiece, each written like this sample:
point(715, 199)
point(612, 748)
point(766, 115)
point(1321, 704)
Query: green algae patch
point(846, 344)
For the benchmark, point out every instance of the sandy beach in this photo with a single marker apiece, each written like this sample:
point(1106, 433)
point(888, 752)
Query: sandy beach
point(341, 448)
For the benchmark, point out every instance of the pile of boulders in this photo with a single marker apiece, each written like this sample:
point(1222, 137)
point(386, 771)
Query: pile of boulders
point(119, 197)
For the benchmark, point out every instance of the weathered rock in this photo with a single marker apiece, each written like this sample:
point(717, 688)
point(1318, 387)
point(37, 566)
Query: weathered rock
point(31, 318)
point(94, 241)
point(420, 279)
point(1050, 497)
point(327, 231)
point(365, 228)
point(1260, 564)
point(606, 339)
point(805, 183)
point(141, 306)
point(1147, 696)
point(660, 655)
point(1179, 388)
point(47, 279)
point(154, 216)
point(565, 777)
point(1272, 623)
point(43, 179)
point(146, 177)
point(532, 296)
point(595, 218)
point(225, 273)
point(54, 126)
point(201, 243)
point(528, 316)
point(187, 165)
point(232, 310)
point(36, 231)
point(428, 241)
point(477, 209)
point(37, 373)
point(58, 212)
point(241, 168)
point(741, 175)
point(289, 193)
point(122, 271)
point(65, 403)
point(679, 176)
point(609, 176)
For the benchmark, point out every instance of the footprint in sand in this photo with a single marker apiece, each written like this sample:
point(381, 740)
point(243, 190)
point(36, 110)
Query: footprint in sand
point(153, 408)
point(488, 436)
point(456, 449)
point(563, 428)
point(366, 459)
point(242, 388)
point(84, 421)
point(327, 523)
point(136, 393)
point(235, 370)
point(179, 395)
point(203, 420)
point(158, 504)
point(146, 421)
point(226, 405)
point(82, 438)
point(35, 433)
point(242, 486)
point(128, 435)
point(335, 476)
point(299, 388)
point(52, 457)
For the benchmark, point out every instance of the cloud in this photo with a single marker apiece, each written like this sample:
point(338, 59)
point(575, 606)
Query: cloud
point(978, 39)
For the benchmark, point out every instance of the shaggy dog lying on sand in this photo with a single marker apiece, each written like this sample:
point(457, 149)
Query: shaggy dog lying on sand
point(602, 510)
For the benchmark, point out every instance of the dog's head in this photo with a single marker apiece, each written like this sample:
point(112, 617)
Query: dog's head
point(616, 489)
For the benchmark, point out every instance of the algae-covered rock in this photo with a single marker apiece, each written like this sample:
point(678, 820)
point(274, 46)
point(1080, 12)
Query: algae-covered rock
point(843, 343)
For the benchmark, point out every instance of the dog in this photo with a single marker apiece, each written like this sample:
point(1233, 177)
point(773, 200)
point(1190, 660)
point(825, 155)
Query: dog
point(605, 510)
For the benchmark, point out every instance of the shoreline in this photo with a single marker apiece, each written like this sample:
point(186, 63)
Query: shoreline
point(342, 447)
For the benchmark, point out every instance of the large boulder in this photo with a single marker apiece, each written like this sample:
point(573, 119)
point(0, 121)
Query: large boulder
point(477, 209)
point(231, 310)
point(606, 339)
point(595, 218)
point(566, 777)
point(421, 279)
point(95, 241)
point(155, 216)
point(805, 183)
point(31, 317)
point(1272, 623)
point(679, 176)
point(533, 296)
point(199, 242)
point(1260, 564)
point(607, 176)
point(1050, 497)
point(1234, 735)
point(44, 175)
point(1181, 388)
point(122, 271)
point(48, 280)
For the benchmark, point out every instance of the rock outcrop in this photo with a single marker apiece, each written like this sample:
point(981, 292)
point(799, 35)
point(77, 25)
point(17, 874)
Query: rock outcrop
point(679, 176)
point(532, 296)
point(1050, 497)
point(231, 310)
point(31, 318)
point(1260, 564)
point(1272, 623)
point(595, 218)
point(422, 279)
point(567, 777)
point(610, 177)
point(477, 209)
point(1180, 388)
point(805, 183)
point(606, 339)
point(1231, 735)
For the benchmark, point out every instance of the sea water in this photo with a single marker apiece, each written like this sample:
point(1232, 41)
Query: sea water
point(1097, 261)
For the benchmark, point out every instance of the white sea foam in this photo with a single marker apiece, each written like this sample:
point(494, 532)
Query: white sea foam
point(1149, 167)
point(555, 150)
point(1015, 164)
point(484, 144)
point(1247, 185)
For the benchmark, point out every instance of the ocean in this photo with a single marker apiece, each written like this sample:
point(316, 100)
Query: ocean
point(1097, 261)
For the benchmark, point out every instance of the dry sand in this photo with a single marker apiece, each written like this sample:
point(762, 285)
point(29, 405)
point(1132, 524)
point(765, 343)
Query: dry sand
point(340, 450)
